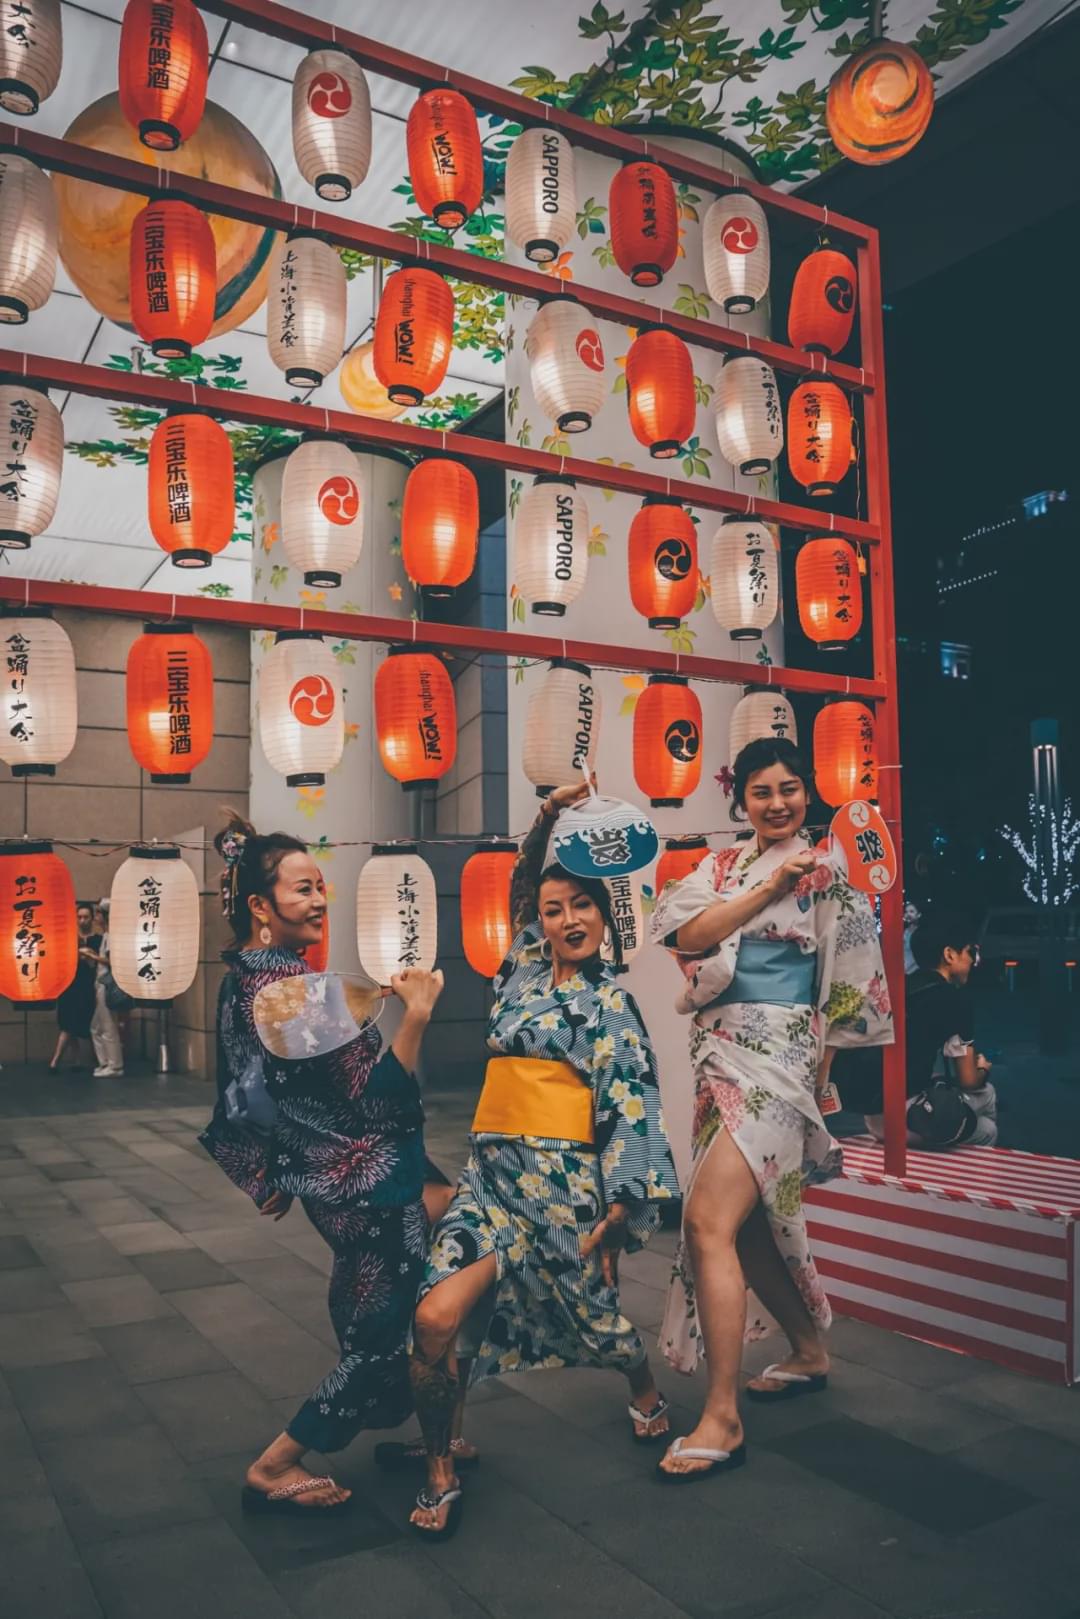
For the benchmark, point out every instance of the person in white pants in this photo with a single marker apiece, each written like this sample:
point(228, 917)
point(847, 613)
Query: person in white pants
point(103, 1030)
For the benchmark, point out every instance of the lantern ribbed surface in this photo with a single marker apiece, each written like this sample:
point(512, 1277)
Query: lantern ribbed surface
point(760, 714)
point(38, 695)
point(301, 718)
point(822, 306)
point(562, 727)
point(551, 545)
point(819, 433)
point(744, 578)
point(662, 560)
point(681, 856)
point(190, 483)
point(440, 523)
point(660, 392)
point(749, 418)
point(322, 514)
point(667, 741)
point(414, 330)
point(173, 278)
point(845, 753)
point(305, 309)
point(735, 247)
point(31, 54)
point(163, 71)
point(644, 222)
point(27, 238)
point(879, 103)
point(397, 921)
point(486, 929)
point(566, 364)
point(170, 701)
point(331, 123)
point(34, 441)
point(39, 938)
point(541, 196)
point(415, 717)
point(446, 162)
point(154, 924)
point(829, 592)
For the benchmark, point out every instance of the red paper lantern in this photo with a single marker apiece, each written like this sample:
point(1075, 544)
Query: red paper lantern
point(880, 102)
point(681, 856)
point(486, 928)
point(164, 66)
point(829, 593)
point(644, 222)
point(663, 561)
point(440, 522)
point(822, 304)
point(415, 717)
point(819, 436)
point(170, 701)
point(446, 162)
point(173, 271)
point(660, 392)
point(39, 936)
point(413, 333)
point(317, 956)
point(667, 741)
point(845, 754)
point(190, 482)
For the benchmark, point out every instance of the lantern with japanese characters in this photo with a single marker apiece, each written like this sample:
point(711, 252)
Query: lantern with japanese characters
point(301, 718)
point(27, 238)
point(667, 741)
point(566, 361)
point(39, 936)
point(170, 701)
point(38, 694)
point(190, 483)
point(164, 67)
point(31, 53)
point(154, 925)
point(541, 197)
point(415, 717)
point(31, 460)
point(760, 713)
point(440, 523)
point(331, 123)
point(744, 578)
point(446, 162)
point(880, 102)
point(644, 222)
point(660, 391)
point(749, 421)
point(735, 245)
point(173, 278)
point(551, 543)
point(845, 753)
point(305, 308)
point(829, 592)
point(414, 330)
point(397, 924)
point(662, 557)
point(681, 856)
point(562, 727)
point(486, 929)
point(822, 306)
point(819, 431)
point(627, 913)
point(322, 516)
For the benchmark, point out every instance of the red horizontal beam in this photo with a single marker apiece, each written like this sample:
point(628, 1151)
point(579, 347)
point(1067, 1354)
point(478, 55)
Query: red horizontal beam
point(131, 387)
point(123, 174)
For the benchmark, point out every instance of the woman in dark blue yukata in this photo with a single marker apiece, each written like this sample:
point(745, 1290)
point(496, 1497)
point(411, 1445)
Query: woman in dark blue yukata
point(346, 1139)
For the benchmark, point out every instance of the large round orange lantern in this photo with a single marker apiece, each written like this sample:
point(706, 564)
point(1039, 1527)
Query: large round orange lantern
point(414, 330)
point(190, 481)
point(660, 391)
point(446, 163)
point(662, 557)
point(164, 66)
point(822, 304)
point(829, 592)
point(667, 741)
point(644, 222)
point(440, 523)
point(415, 717)
point(486, 927)
point(170, 701)
point(819, 436)
point(173, 272)
point(39, 936)
point(845, 754)
point(880, 102)
point(681, 856)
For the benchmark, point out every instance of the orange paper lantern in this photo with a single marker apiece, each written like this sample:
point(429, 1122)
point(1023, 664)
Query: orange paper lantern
point(660, 391)
point(880, 102)
point(317, 956)
point(845, 755)
point(440, 522)
point(663, 561)
point(413, 333)
point(667, 741)
point(644, 222)
point(829, 593)
point(819, 436)
point(164, 66)
point(446, 163)
point(190, 481)
point(822, 304)
point(39, 936)
point(170, 701)
point(415, 717)
point(486, 928)
point(681, 856)
point(173, 278)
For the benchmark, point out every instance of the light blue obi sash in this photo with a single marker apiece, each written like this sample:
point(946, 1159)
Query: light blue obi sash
point(771, 971)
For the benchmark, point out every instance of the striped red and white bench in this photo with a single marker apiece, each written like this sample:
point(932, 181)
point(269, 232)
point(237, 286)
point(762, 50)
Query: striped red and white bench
point(977, 1250)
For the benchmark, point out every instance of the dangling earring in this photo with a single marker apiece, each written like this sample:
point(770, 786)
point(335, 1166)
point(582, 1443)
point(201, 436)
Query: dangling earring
point(545, 949)
point(606, 944)
point(265, 936)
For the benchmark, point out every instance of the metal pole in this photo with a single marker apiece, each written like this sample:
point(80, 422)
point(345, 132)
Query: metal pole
point(1053, 1005)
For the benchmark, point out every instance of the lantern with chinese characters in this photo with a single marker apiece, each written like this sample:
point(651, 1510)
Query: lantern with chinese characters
point(660, 391)
point(446, 163)
point(562, 727)
point(397, 924)
point(819, 430)
point(305, 308)
point(173, 277)
point(760, 714)
point(486, 928)
point(681, 856)
point(644, 222)
point(829, 592)
point(331, 123)
point(541, 198)
point(414, 330)
point(164, 67)
point(190, 483)
point(322, 516)
point(440, 523)
point(822, 304)
point(31, 53)
point(415, 717)
point(301, 719)
point(32, 434)
point(27, 238)
point(845, 754)
point(154, 924)
point(551, 545)
point(566, 361)
point(39, 936)
point(663, 561)
point(170, 701)
point(667, 741)
point(879, 102)
point(627, 912)
point(744, 578)
point(38, 695)
point(749, 421)
point(735, 245)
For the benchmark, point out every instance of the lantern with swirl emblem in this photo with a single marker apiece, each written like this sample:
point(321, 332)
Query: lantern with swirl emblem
point(760, 714)
point(541, 198)
point(33, 434)
point(744, 578)
point(845, 753)
point(681, 856)
point(562, 727)
point(39, 938)
point(164, 67)
point(154, 925)
point(822, 306)
point(301, 718)
point(415, 717)
point(446, 162)
point(551, 545)
point(566, 360)
point(322, 517)
point(414, 330)
point(38, 695)
point(397, 919)
point(440, 523)
point(660, 391)
point(880, 102)
point(749, 421)
point(819, 430)
point(305, 308)
point(190, 483)
point(667, 741)
point(173, 278)
point(170, 701)
point(331, 123)
point(644, 219)
point(27, 238)
point(829, 592)
point(486, 928)
point(662, 557)
point(31, 54)
point(735, 245)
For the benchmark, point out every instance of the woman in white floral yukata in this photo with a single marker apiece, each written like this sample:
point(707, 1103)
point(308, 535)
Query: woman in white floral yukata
point(782, 965)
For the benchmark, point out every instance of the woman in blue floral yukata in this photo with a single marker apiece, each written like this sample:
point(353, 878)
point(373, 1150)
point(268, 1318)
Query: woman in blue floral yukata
point(569, 1165)
point(346, 1139)
point(782, 965)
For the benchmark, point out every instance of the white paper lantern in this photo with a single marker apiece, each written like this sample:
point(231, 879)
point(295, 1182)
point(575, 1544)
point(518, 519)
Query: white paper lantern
point(567, 364)
point(744, 578)
point(27, 238)
point(627, 912)
point(760, 713)
point(38, 696)
point(322, 517)
point(301, 714)
point(32, 433)
point(551, 545)
point(154, 925)
point(735, 245)
point(749, 421)
point(31, 54)
point(331, 123)
point(541, 195)
point(305, 309)
point(397, 921)
point(562, 727)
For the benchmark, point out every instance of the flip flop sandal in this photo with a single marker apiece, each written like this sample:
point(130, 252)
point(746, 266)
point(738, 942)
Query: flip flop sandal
point(395, 1457)
point(722, 1461)
point(795, 1384)
point(284, 1500)
point(660, 1409)
point(432, 1503)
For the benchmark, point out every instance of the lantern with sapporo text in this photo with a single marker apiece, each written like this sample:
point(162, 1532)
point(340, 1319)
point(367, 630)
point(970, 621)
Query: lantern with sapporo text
point(562, 727)
point(551, 544)
point(541, 197)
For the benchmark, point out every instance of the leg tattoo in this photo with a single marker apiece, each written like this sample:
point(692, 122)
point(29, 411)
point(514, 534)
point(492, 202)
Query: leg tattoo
point(435, 1392)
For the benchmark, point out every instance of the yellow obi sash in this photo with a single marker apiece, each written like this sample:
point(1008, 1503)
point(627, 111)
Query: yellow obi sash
point(529, 1096)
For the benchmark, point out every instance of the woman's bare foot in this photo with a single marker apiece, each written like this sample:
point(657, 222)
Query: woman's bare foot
point(807, 1363)
point(658, 1422)
point(441, 1477)
point(265, 1478)
point(710, 1434)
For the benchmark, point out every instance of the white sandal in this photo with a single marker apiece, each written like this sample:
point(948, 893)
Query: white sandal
point(795, 1384)
point(721, 1461)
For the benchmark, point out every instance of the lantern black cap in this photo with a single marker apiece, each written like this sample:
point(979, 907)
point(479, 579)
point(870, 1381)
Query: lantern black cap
point(402, 393)
point(170, 348)
point(541, 250)
point(158, 135)
point(646, 275)
point(191, 557)
point(394, 848)
point(574, 421)
point(323, 577)
point(569, 663)
point(154, 851)
point(175, 626)
point(549, 609)
point(745, 635)
point(13, 311)
point(14, 539)
point(307, 778)
point(303, 376)
point(333, 187)
point(18, 97)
